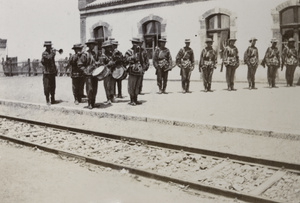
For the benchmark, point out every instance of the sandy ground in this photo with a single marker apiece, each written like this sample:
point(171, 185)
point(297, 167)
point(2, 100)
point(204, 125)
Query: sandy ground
point(29, 176)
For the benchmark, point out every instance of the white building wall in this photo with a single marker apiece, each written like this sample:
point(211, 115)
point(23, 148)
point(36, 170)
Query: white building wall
point(254, 19)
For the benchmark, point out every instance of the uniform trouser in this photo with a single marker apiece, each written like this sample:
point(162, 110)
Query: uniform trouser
point(162, 78)
point(81, 92)
point(76, 85)
point(141, 85)
point(207, 73)
point(109, 85)
point(134, 82)
point(271, 74)
point(91, 88)
point(185, 78)
point(230, 72)
point(49, 84)
point(251, 75)
point(289, 74)
point(119, 86)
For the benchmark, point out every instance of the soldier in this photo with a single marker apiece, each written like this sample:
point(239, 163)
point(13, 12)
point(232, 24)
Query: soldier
point(272, 60)
point(162, 62)
point(251, 59)
point(231, 61)
point(109, 82)
point(117, 57)
point(76, 72)
point(208, 61)
point(290, 60)
point(185, 61)
point(49, 72)
point(138, 63)
point(87, 63)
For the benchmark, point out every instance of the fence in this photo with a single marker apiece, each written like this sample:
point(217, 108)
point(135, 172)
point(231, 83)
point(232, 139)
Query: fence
point(31, 68)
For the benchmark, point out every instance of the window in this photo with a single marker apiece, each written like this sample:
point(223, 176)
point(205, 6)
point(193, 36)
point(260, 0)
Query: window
point(151, 32)
point(100, 35)
point(218, 29)
point(290, 23)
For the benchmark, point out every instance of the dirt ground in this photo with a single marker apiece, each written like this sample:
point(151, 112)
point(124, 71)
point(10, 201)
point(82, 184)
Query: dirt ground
point(33, 176)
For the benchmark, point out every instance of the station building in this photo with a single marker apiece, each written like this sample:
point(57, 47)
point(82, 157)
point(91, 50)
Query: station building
point(178, 20)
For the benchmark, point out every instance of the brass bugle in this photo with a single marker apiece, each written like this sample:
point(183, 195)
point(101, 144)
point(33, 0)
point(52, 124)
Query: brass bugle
point(60, 51)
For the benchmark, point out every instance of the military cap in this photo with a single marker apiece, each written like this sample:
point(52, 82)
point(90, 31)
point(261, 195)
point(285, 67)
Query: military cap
point(209, 40)
point(115, 42)
point(47, 43)
point(231, 39)
point(291, 40)
point(77, 46)
point(162, 40)
point(91, 41)
point(273, 40)
point(187, 40)
point(106, 43)
point(111, 38)
point(135, 39)
point(252, 39)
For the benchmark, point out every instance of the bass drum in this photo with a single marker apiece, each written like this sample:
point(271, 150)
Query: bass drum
point(101, 72)
point(119, 73)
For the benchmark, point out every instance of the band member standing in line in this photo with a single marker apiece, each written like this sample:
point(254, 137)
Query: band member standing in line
point(251, 59)
point(138, 62)
point(118, 59)
point(208, 61)
point(290, 60)
point(185, 61)
point(87, 63)
point(49, 72)
point(272, 60)
point(76, 73)
point(231, 61)
point(109, 82)
point(162, 62)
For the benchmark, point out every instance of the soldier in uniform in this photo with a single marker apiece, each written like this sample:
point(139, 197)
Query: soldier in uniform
point(251, 59)
point(109, 82)
point(49, 72)
point(88, 63)
point(290, 60)
point(208, 61)
point(138, 63)
point(76, 72)
point(118, 59)
point(231, 61)
point(272, 60)
point(185, 61)
point(162, 62)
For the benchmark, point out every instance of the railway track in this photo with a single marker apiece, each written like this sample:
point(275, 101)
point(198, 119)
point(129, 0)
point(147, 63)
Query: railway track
point(244, 178)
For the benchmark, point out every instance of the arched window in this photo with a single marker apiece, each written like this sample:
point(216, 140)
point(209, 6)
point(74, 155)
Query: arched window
point(101, 34)
point(218, 29)
point(290, 23)
point(151, 32)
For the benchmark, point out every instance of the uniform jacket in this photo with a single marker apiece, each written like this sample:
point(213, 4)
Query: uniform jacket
point(289, 56)
point(231, 56)
point(272, 57)
point(73, 63)
point(162, 58)
point(48, 61)
point(87, 62)
point(208, 58)
point(185, 57)
point(137, 61)
point(251, 56)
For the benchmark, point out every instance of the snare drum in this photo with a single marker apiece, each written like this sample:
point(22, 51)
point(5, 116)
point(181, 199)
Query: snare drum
point(101, 72)
point(119, 73)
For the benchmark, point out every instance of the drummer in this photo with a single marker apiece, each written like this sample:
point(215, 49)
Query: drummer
point(108, 82)
point(88, 62)
point(118, 59)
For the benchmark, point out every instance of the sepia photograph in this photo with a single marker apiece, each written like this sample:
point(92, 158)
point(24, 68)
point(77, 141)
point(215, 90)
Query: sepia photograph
point(149, 101)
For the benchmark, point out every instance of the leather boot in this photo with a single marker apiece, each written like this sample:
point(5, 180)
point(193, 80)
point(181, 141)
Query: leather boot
point(76, 101)
point(52, 99)
point(48, 101)
point(90, 104)
point(187, 88)
point(136, 101)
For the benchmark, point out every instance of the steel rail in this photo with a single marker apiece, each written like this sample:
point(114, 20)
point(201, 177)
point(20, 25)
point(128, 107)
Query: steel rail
point(237, 158)
point(193, 185)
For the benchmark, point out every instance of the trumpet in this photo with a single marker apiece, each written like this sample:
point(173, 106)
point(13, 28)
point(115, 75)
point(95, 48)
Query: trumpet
point(60, 51)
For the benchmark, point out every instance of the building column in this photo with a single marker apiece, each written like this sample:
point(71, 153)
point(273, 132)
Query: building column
point(83, 29)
